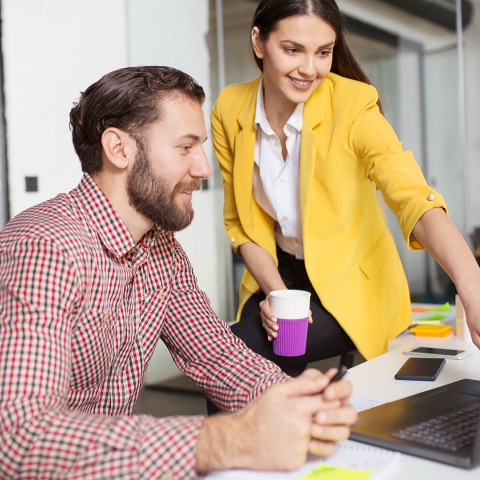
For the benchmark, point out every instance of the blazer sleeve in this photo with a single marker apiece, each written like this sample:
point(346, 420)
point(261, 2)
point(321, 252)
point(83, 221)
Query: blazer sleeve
point(223, 144)
point(393, 169)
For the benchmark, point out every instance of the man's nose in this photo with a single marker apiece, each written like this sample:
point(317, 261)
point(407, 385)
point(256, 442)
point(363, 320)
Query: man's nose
point(201, 167)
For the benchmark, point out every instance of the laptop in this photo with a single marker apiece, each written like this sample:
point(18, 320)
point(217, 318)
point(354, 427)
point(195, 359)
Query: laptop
point(441, 424)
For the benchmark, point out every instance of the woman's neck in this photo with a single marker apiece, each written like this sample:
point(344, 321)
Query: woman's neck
point(277, 112)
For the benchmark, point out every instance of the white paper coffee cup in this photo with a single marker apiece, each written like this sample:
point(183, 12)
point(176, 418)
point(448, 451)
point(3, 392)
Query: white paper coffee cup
point(292, 310)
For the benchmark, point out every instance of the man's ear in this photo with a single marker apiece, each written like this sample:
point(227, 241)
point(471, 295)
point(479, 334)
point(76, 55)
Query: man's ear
point(118, 147)
point(257, 42)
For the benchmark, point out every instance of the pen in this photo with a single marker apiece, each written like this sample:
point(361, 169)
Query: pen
point(340, 374)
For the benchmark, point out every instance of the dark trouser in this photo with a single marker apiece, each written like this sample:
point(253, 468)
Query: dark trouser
point(325, 338)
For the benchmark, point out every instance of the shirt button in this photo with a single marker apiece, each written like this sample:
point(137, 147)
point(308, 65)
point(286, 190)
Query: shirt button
point(105, 317)
point(431, 197)
point(131, 319)
point(118, 372)
point(284, 219)
point(281, 180)
point(276, 144)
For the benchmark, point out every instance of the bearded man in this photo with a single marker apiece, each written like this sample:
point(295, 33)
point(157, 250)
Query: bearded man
point(92, 279)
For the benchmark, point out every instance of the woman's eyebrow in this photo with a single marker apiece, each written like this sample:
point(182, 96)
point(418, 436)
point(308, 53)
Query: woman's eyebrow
point(299, 45)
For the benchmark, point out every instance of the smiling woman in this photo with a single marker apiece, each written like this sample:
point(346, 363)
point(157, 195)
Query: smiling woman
point(296, 57)
point(302, 150)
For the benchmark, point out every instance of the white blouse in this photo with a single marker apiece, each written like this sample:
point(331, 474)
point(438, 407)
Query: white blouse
point(276, 182)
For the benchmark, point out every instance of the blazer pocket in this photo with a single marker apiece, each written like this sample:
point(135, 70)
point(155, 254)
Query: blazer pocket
point(377, 256)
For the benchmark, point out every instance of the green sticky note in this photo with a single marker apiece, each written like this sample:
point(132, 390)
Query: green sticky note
point(443, 308)
point(330, 472)
point(435, 317)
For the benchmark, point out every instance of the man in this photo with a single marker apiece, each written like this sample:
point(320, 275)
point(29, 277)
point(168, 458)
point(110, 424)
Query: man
point(92, 279)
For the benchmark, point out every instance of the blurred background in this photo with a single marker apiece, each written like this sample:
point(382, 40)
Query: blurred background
point(422, 55)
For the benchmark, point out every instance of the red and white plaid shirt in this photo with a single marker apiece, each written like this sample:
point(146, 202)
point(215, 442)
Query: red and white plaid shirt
point(82, 307)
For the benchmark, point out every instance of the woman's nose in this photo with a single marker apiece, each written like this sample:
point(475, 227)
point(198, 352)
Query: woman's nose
point(307, 67)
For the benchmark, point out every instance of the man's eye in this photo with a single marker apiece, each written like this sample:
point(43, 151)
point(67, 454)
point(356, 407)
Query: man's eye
point(186, 148)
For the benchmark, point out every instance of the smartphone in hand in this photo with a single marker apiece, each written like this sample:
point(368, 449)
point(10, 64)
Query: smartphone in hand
point(342, 370)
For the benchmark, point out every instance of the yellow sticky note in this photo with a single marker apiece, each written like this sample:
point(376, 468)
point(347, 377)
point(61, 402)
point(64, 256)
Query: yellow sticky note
point(329, 472)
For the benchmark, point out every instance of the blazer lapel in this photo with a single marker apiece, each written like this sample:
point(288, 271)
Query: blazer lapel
point(309, 150)
point(244, 158)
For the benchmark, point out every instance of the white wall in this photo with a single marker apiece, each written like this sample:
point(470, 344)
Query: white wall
point(53, 50)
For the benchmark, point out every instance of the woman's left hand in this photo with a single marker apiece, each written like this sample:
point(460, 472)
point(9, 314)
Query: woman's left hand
point(269, 321)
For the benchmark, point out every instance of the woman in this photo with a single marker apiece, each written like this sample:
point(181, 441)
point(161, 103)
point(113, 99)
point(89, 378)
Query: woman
point(302, 151)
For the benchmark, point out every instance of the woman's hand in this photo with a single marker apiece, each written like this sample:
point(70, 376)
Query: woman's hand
point(269, 321)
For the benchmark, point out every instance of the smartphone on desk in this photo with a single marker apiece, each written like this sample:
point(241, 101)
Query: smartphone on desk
point(434, 352)
point(422, 369)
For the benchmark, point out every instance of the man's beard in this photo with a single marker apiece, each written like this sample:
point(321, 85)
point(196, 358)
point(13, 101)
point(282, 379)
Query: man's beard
point(149, 194)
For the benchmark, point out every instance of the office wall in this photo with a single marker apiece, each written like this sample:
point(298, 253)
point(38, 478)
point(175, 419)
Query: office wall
point(55, 49)
point(52, 50)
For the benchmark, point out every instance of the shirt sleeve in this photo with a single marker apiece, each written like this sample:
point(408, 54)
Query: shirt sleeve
point(204, 348)
point(224, 154)
point(41, 435)
point(393, 169)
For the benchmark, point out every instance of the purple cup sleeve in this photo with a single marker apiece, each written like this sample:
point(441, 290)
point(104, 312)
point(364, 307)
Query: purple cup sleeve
point(291, 340)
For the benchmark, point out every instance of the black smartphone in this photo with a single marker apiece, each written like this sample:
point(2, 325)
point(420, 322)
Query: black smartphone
point(342, 370)
point(424, 369)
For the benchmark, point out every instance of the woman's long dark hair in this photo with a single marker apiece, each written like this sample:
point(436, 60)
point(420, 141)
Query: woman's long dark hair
point(269, 12)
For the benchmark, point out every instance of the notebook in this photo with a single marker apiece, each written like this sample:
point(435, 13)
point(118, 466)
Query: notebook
point(351, 460)
point(440, 424)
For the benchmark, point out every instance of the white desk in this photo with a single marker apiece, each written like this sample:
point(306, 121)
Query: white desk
point(374, 380)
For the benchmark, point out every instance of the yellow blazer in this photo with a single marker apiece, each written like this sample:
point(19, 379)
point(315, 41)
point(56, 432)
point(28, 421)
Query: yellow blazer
point(348, 150)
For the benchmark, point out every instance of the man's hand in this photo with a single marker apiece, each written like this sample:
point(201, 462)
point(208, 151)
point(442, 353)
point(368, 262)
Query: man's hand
point(332, 422)
point(279, 428)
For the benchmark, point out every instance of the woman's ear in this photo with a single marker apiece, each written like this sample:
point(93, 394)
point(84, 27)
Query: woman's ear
point(118, 147)
point(257, 43)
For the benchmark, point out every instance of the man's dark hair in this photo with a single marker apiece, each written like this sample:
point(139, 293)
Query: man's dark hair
point(127, 99)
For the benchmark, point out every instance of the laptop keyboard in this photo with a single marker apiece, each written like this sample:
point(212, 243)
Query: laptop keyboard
point(450, 432)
